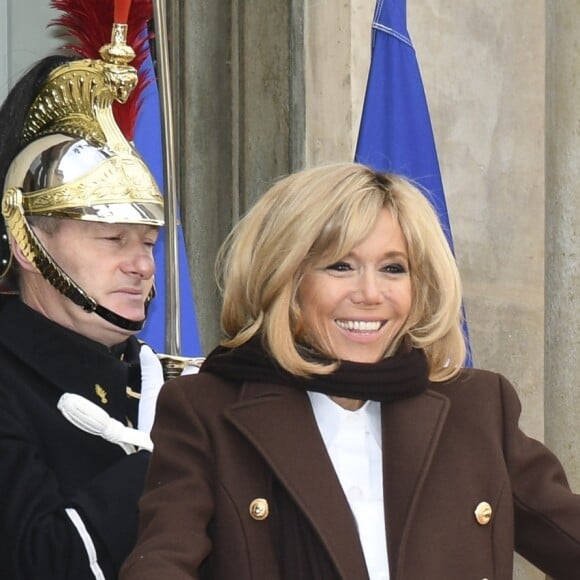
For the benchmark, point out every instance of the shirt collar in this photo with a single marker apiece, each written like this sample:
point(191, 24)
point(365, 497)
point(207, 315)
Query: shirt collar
point(329, 415)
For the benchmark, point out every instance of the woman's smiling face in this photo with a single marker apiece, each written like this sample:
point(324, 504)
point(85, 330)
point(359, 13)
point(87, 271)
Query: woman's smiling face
point(352, 309)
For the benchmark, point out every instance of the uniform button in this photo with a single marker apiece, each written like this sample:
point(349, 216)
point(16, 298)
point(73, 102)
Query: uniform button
point(259, 509)
point(483, 513)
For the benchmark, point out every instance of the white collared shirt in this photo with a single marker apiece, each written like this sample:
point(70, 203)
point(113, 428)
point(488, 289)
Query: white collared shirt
point(353, 442)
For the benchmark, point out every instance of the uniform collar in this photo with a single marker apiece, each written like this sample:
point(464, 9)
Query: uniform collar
point(70, 361)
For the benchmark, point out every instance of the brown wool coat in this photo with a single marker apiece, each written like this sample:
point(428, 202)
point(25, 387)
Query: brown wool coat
point(444, 452)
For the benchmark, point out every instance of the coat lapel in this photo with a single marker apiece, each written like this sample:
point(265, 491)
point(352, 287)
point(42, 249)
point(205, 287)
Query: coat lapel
point(411, 431)
point(279, 422)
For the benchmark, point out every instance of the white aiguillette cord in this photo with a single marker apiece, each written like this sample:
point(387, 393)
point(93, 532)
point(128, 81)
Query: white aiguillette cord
point(91, 418)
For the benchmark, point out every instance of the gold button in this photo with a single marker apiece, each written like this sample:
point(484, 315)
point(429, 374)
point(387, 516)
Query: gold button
point(483, 513)
point(259, 509)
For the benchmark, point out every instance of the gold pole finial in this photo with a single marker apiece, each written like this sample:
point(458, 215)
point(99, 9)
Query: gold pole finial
point(118, 51)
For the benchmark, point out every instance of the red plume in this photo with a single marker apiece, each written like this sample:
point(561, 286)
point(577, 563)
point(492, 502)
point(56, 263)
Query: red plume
point(88, 23)
point(122, 8)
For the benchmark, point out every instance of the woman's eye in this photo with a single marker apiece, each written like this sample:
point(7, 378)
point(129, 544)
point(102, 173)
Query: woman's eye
point(395, 269)
point(340, 267)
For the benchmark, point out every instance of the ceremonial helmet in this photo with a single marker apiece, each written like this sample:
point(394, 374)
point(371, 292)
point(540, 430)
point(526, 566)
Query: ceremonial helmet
point(71, 158)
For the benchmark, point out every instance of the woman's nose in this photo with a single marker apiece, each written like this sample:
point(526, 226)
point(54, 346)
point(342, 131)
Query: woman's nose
point(369, 290)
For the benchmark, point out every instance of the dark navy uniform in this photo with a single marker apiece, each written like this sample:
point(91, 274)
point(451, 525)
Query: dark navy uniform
point(68, 499)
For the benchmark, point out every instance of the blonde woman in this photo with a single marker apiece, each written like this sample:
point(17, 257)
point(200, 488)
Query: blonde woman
point(334, 433)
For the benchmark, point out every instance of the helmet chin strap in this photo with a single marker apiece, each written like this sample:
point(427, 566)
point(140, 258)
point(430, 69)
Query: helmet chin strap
point(121, 321)
point(118, 320)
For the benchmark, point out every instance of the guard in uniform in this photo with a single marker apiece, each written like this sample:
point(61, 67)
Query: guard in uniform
point(77, 389)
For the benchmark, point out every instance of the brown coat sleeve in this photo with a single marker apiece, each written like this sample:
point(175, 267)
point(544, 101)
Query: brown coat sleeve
point(178, 502)
point(546, 513)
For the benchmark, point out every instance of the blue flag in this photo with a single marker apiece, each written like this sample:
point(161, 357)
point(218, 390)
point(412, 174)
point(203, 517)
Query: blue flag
point(148, 142)
point(395, 133)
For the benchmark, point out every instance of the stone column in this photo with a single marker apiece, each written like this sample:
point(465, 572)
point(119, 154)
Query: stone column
point(562, 336)
point(201, 70)
point(336, 55)
point(239, 93)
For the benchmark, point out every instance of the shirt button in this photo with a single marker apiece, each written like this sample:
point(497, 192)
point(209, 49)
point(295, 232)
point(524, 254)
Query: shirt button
point(355, 493)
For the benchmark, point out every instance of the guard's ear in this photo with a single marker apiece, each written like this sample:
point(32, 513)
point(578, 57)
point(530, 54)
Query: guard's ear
point(20, 258)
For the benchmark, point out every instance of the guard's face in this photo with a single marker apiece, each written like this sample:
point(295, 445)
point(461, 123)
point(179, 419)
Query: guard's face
point(112, 263)
point(353, 309)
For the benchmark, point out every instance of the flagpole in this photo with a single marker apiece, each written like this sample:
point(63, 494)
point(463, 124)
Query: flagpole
point(172, 305)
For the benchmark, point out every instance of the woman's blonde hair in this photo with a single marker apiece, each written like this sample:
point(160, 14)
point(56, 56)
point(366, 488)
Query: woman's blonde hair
point(321, 214)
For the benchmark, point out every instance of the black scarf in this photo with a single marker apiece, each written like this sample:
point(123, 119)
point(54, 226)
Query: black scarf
point(401, 376)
